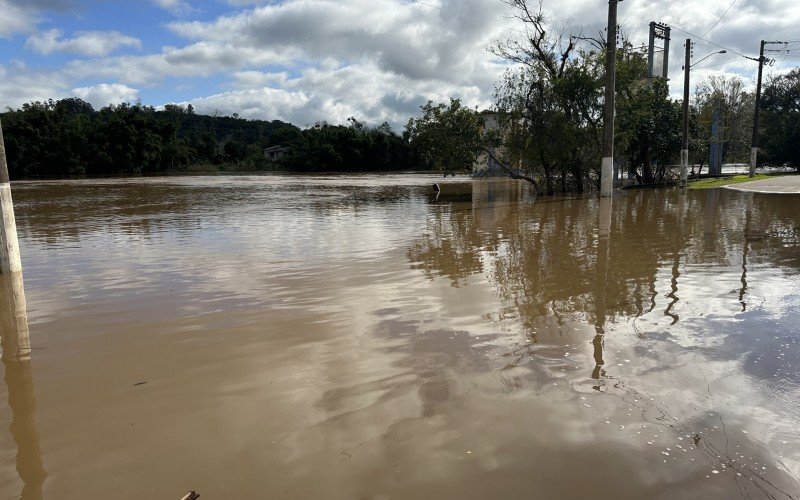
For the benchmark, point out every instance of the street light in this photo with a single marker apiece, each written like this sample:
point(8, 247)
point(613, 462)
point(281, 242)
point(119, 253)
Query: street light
point(709, 55)
point(687, 66)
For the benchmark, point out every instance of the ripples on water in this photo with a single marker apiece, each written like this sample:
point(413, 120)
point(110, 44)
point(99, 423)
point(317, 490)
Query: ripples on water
point(358, 337)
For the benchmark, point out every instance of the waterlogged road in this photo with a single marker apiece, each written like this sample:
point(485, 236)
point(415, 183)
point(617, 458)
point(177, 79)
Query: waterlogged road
point(354, 337)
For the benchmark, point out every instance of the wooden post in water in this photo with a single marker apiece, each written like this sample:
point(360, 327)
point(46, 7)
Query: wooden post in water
point(9, 244)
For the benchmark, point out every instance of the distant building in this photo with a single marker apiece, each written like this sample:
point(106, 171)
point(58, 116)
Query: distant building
point(275, 153)
point(485, 165)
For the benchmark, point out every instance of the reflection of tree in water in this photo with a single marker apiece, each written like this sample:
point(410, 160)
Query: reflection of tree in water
point(542, 257)
point(554, 261)
point(447, 249)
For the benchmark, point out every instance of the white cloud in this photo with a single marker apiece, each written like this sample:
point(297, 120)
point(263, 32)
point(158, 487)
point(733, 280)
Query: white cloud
point(86, 43)
point(178, 7)
point(20, 84)
point(104, 94)
point(201, 59)
point(333, 94)
point(15, 19)
point(311, 60)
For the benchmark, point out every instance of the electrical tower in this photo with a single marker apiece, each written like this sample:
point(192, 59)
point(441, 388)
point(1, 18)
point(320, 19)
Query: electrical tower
point(658, 31)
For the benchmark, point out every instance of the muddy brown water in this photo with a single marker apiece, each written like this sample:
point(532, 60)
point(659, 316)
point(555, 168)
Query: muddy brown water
point(356, 337)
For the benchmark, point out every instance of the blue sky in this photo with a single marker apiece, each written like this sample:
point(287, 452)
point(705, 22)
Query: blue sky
point(309, 60)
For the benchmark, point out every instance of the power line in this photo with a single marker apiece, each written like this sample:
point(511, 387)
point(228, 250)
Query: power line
point(717, 64)
point(709, 41)
point(718, 20)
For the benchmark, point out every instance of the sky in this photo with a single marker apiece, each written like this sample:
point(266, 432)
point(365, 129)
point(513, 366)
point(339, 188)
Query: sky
point(306, 61)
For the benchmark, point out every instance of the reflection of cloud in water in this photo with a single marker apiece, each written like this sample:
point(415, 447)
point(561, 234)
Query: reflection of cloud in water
point(667, 303)
point(354, 337)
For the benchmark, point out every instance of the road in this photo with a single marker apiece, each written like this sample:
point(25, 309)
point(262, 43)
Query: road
point(786, 184)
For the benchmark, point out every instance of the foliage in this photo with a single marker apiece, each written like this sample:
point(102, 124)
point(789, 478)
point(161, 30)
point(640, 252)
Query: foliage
point(68, 137)
point(780, 120)
point(447, 138)
point(551, 103)
point(356, 147)
point(649, 129)
point(735, 107)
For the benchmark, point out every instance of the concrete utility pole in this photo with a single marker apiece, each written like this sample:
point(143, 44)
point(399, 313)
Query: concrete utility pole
point(607, 166)
point(9, 244)
point(687, 65)
point(754, 148)
point(715, 149)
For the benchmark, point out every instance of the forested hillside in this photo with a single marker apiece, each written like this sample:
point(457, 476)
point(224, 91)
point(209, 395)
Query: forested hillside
point(68, 137)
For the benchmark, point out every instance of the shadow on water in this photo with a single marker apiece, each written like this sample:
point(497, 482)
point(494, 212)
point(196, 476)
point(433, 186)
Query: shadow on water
point(16, 358)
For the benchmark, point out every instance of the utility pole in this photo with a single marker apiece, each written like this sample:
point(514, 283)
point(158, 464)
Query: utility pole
point(754, 148)
point(9, 244)
point(687, 65)
point(607, 165)
point(651, 49)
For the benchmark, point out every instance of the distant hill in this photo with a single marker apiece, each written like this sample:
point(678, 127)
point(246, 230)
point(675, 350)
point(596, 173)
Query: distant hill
point(68, 138)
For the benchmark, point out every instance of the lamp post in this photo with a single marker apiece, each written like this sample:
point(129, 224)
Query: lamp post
point(687, 66)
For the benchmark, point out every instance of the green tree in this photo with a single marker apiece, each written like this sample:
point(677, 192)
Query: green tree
point(551, 102)
point(780, 119)
point(649, 130)
point(447, 137)
point(735, 107)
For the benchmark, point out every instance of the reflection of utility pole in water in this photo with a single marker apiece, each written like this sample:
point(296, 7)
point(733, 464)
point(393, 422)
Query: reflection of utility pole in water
point(709, 221)
point(601, 275)
point(19, 381)
point(746, 250)
point(676, 261)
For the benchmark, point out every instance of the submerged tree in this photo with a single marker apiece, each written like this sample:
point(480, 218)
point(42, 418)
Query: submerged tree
point(551, 102)
point(649, 130)
point(447, 137)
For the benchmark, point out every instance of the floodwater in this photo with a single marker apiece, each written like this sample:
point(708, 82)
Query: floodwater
point(345, 337)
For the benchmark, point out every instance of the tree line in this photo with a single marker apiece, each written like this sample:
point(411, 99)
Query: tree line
point(548, 115)
point(68, 137)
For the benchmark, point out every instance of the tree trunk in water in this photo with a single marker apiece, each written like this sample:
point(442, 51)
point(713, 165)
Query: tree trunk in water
point(647, 170)
point(578, 180)
point(548, 181)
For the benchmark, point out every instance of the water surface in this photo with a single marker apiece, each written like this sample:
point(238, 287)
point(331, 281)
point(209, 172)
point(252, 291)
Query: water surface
point(358, 337)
